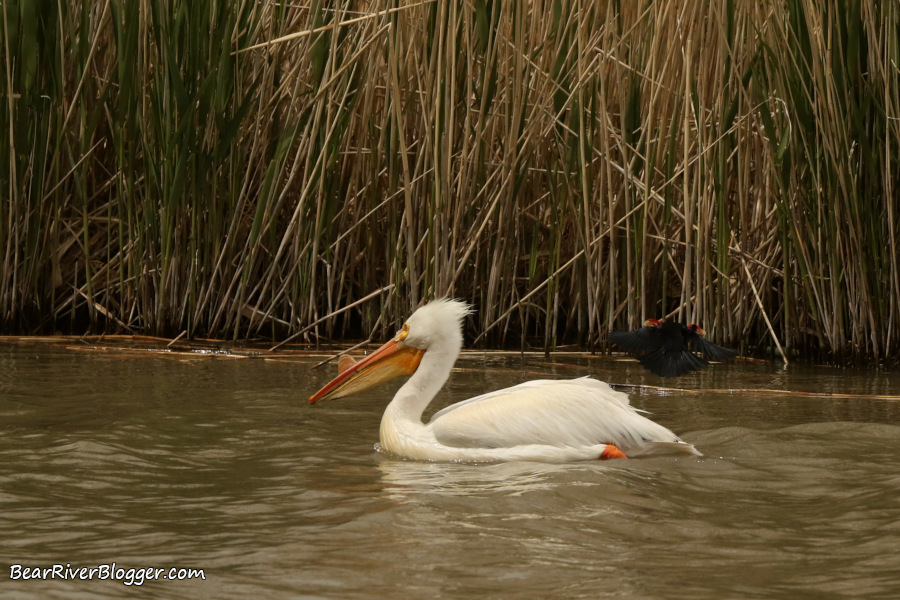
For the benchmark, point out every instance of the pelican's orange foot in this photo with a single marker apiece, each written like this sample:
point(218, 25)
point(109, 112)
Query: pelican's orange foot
point(612, 452)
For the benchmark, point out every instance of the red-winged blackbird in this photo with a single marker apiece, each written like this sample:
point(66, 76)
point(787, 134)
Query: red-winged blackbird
point(667, 348)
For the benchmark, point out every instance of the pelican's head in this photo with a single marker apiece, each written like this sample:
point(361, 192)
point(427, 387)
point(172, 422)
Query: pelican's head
point(438, 324)
point(439, 321)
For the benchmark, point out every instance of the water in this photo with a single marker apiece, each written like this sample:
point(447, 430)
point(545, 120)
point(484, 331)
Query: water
point(218, 464)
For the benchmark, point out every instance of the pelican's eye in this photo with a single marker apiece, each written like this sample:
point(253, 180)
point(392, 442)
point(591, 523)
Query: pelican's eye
point(404, 331)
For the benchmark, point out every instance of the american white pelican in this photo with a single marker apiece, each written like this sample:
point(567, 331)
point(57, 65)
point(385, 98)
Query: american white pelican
point(550, 421)
point(666, 348)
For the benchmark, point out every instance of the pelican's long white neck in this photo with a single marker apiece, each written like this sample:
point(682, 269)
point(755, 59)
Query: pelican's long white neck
point(417, 393)
point(437, 329)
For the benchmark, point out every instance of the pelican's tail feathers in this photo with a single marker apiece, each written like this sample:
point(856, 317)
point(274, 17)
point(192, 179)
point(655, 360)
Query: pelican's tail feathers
point(655, 448)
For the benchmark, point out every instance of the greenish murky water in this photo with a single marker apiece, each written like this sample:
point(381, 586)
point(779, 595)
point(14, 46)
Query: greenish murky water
point(217, 464)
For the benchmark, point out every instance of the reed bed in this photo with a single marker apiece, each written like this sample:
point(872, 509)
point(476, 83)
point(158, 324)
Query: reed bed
point(248, 169)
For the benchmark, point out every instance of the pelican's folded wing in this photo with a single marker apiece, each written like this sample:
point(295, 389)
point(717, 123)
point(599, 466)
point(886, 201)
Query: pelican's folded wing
point(577, 412)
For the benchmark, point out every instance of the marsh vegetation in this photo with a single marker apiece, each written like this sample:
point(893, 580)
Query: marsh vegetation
point(245, 169)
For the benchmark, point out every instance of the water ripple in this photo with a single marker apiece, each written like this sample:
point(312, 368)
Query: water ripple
point(218, 465)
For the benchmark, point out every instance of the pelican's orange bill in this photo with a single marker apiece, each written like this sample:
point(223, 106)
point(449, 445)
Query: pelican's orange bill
point(391, 360)
point(345, 362)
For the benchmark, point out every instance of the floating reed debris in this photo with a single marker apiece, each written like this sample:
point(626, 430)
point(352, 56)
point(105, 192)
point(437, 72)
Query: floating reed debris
point(245, 169)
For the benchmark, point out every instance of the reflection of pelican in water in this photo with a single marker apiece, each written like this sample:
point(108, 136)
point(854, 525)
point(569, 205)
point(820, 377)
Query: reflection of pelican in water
point(403, 478)
point(552, 421)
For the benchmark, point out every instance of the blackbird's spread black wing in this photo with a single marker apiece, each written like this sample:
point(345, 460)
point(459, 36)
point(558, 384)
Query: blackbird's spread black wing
point(666, 349)
point(668, 363)
point(645, 339)
point(713, 351)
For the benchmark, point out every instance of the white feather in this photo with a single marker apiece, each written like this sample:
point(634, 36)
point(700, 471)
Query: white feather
point(577, 412)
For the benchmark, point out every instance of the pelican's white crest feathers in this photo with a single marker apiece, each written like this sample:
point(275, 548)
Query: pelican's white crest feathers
point(438, 320)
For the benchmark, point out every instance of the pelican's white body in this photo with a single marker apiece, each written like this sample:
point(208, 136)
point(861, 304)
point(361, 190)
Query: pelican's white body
point(552, 421)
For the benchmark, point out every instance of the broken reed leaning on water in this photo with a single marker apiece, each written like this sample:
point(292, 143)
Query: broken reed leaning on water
point(569, 168)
